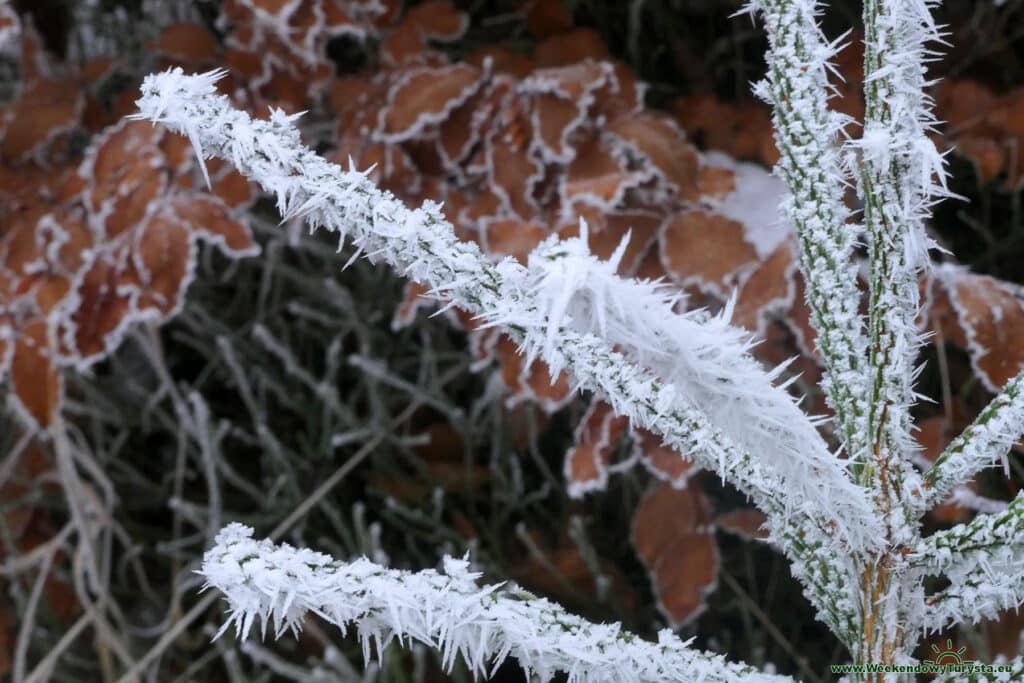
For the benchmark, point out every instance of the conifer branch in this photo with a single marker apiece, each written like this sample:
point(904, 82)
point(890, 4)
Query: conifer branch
point(982, 560)
point(898, 168)
point(266, 583)
point(808, 136)
point(984, 443)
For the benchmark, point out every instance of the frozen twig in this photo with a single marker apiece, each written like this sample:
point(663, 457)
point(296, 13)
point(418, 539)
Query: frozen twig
point(808, 135)
point(267, 584)
point(984, 443)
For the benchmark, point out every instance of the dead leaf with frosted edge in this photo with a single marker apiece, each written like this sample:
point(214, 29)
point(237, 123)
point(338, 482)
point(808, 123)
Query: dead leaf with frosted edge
point(663, 462)
point(186, 42)
point(425, 96)
point(743, 130)
point(463, 131)
point(658, 140)
point(547, 17)
point(530, 382)
point(991, 313)
point(606, 230)
point(597, 436)
point(768, 292)
point(675, 539)
point(707, 250)
point(512, 237)
point(434, 20)
point(597, 177)
point(44, 112)
point(35, 380)
point(513, 175)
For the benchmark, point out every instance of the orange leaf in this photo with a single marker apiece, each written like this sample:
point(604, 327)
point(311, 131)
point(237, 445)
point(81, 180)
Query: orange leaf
point(35, 382)
point(674, 537)
point(658, 139)
point(705, 249)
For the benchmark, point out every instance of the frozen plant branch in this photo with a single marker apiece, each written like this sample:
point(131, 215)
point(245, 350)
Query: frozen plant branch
point(266, 583)
point(811, 492)
point(899, 166)
point(982, 560)
point(985, 442)
point(808, 136)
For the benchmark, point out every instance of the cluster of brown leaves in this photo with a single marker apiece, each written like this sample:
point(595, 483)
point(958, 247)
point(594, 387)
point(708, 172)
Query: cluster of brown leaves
point(94, 242)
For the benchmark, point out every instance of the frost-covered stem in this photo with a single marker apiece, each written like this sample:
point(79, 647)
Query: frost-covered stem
point(898, 164)
point(813, 494)
point(982, 560)
point(483, 626)
point(808, 135)
point(986, 441)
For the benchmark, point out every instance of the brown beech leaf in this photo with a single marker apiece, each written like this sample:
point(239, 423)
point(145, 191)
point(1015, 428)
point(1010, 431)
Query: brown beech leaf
point(513, 175)
point(531, 382)
point(674, 538)
point(660, 460)
point(767, 292)
point(36, 384)
point(104, 301)
point(208, 217)
point(991, 313)
point(659, 140)
point(597, 177)
point(716, 182)
point(163, 253)
point(413, 300)
point(512, 237)
point(437, 20)
point(547, 17)
point(501, 59)
point(743, 130)
point(464, 130)
point(707, 250)
point(597, 435)
point(424, 97)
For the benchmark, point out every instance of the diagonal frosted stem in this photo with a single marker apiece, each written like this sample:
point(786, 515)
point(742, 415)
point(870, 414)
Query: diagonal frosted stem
point(984, 443)
point(421, 244)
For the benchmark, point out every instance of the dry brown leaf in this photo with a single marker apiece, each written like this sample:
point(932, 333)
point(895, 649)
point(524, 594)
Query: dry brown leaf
point(674, 538)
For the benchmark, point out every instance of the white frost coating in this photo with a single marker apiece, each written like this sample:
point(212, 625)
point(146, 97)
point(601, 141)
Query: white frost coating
point(754, 203)
point(900, 175)
point(808, 134)
point(794, 487)
point(982, 559)
point(279, 584)
point(986, 441)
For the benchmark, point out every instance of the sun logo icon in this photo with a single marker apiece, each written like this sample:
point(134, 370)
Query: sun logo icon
point(946, 656)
